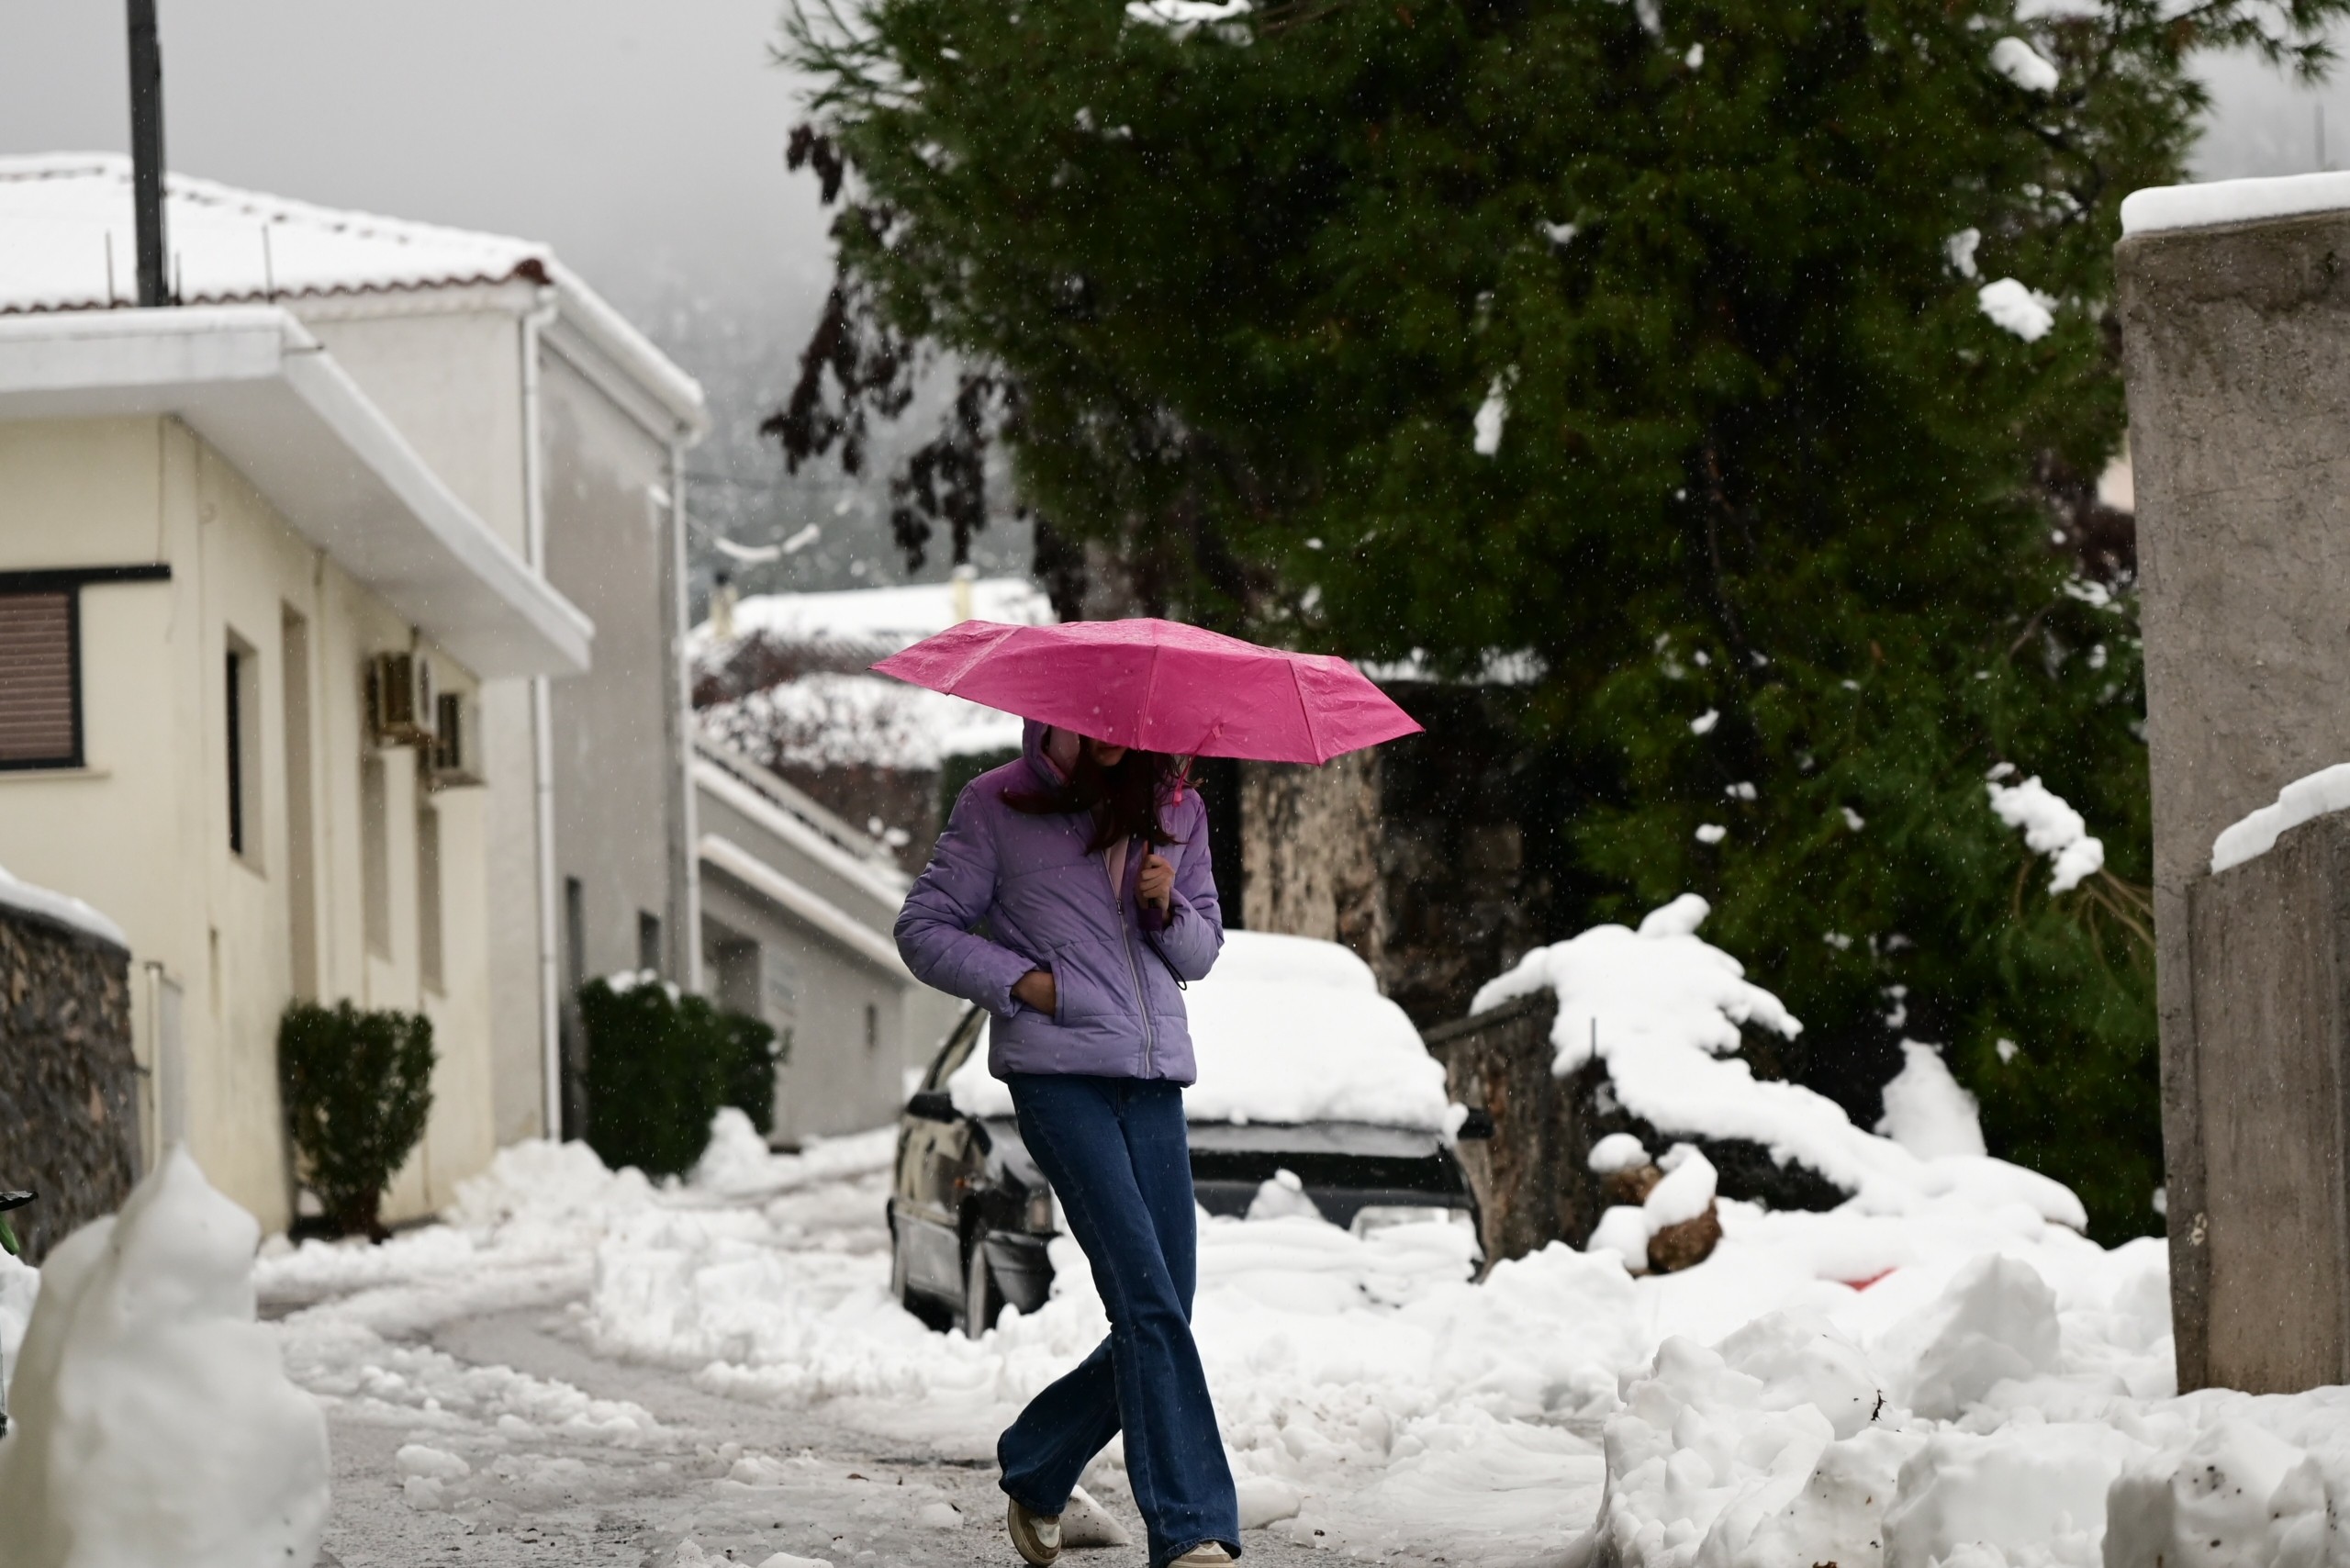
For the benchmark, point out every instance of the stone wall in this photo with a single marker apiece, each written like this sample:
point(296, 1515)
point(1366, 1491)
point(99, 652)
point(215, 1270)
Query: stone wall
point(69, 1099)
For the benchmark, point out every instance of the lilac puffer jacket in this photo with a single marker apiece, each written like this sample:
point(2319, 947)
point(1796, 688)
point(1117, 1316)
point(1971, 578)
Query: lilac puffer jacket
point(1047, 904)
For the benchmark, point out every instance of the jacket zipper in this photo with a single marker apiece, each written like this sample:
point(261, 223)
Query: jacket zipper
point(1133, 973)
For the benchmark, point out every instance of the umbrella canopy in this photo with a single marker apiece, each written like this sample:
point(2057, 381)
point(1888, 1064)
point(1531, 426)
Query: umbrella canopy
point(1160, 686)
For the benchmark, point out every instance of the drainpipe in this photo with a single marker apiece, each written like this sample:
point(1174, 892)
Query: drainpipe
point(689, 925)
point(534, 513)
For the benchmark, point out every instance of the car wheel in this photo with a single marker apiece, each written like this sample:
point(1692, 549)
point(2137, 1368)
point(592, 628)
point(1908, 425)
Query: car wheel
point(982, 1298)
point(933, 1317)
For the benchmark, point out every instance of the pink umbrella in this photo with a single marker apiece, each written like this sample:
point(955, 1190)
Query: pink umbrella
point(1160, 685)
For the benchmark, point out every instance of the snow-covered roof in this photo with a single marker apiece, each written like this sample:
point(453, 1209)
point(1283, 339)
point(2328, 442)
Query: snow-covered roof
point(2215, 202)
point(888, 618)
point(72, 246)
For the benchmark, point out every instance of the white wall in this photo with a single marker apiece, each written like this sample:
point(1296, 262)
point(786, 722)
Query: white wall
point(141, 833)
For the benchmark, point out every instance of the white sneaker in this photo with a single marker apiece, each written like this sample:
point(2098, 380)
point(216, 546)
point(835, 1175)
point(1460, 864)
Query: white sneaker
point(1037, 1537)
point(1207, 1555)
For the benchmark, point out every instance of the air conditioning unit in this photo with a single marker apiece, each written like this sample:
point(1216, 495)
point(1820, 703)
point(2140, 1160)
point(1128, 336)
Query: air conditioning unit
point(400, 710)
point(452, 754)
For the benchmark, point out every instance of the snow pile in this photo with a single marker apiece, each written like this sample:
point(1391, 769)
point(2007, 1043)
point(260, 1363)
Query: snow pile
point(1811, 1436)
point(2051, 827)
point(2023, 65)
point(829, 720)
point(153, 1424)
point(2160, 207)
point(2026, 312)
point(63, 908)
point(1664, 1010)
point(1284, 1029)
point(1926, 1110)
point(2304, 800)
point(2236, 1494)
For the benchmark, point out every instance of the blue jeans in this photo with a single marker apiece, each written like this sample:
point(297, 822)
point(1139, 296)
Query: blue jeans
point(1115, 1150)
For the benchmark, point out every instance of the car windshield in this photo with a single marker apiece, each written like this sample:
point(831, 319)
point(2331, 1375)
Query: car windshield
point(1285, 1029)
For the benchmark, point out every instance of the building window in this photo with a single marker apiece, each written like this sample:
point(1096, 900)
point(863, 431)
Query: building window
point(40, 686)
point(648, 941)
point(428, 899)
point(243, 738)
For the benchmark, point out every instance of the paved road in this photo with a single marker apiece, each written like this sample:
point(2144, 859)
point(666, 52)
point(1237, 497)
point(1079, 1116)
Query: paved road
point(741, 1481)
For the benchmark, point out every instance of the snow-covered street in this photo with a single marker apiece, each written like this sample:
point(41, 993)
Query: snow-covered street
point(578, 1366)
point(583, 1370)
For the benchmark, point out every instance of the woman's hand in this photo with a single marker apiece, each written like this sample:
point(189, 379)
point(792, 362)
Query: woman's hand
point(1036, 989)
point(1157, 883)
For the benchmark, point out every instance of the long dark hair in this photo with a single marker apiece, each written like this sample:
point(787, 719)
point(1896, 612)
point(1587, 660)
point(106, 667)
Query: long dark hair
point(1123, 799)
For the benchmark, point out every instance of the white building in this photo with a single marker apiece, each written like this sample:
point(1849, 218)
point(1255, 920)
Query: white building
point(497, 387)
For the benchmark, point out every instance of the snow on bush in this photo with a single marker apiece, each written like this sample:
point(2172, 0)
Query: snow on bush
point(2051, 827)
point(2022, 64)
point(1926, 1111)
point(2026, 312)
point(1664, 1010)
point(2304, 800)
point(1284, 1029)
point(153, 1425)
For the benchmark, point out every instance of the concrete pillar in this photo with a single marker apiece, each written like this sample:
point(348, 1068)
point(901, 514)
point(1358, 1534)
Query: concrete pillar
point(2237, 347)
point(2271, 962)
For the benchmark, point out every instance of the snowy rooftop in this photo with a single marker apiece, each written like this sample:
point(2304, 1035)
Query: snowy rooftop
point(890, 617)
point(2215, 202)
point(71, 247)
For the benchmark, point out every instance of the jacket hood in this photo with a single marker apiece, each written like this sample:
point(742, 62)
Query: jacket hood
point(1033, 734)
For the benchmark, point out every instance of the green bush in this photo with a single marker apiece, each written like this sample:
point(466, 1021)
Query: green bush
point(660, 1064)
point(357, 1088)
point(753, 1053)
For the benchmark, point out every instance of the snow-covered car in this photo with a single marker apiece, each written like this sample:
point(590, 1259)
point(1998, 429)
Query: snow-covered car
point(1303, 1069)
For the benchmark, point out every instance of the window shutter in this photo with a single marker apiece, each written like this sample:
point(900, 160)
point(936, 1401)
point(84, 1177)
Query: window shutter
point(37, 717)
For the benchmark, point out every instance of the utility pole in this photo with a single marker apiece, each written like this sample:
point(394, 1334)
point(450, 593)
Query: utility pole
point(147, 154)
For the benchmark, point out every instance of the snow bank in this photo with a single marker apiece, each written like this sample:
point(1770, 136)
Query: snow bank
point(1284, 1029)
point(2160, 207)
point(63, 908)
point(2051, 827)
point(829, 720)
point(1664, 1010)
point(2304, 800)
point(153, 1424)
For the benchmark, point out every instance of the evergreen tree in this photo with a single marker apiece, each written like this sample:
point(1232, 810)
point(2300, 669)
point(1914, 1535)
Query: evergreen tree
point(1646, 346)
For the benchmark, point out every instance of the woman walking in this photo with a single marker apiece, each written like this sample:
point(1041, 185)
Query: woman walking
point(1071, 896)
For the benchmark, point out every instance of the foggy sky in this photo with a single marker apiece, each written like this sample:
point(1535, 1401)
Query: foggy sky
point(643, 140)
